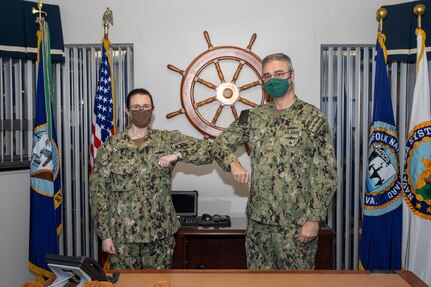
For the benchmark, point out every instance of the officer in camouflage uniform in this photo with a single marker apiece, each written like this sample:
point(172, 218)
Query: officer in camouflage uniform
point(293, 174)
point(130, 188)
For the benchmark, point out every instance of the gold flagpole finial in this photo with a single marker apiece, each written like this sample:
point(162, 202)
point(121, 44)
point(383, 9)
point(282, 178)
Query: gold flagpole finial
point(38, 11)
point(381, 15)
point(419, 10)
point(107, 19)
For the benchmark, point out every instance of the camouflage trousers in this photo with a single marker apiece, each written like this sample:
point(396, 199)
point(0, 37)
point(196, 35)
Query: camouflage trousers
point(277, 247)
point(152, 255)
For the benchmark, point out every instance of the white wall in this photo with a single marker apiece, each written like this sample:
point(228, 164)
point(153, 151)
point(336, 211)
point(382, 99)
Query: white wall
point(14, 226)
point(170, 32)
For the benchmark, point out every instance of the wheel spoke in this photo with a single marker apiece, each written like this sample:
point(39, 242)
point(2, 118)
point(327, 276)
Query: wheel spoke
point(174, 114)
point(238, 70)
point(204, 102)
point(247, 102)
point(234, 112)
point(218, 112)
point(219, 71)
point(207, 38)
point(253, 38)
point(248, 86)
point(205, 83)
point(247, 148)
point(175, 69)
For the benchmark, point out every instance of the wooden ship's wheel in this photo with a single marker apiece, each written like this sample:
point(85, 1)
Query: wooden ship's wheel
point(227, 94)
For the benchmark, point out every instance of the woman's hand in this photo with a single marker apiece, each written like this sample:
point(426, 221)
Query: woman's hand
point(167, 160)
point(309, 231)
point(108, 246)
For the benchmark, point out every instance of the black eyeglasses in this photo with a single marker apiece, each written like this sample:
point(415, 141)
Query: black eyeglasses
point(140, 107)
point(266, 77)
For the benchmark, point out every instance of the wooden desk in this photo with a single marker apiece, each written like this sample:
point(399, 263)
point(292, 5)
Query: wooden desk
point(224, 248)
point(249, 278)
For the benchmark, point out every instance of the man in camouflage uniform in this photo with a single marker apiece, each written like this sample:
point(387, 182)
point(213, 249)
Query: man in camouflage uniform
point(293, 174)
point(130, 189)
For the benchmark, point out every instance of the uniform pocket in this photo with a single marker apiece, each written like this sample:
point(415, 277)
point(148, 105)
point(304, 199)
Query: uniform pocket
point(123, 178)
point(292, 137)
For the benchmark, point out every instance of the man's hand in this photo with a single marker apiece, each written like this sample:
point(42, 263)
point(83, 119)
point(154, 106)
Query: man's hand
point(167, 160)
point(108, 246)
point(240, 174)
point(309, 231)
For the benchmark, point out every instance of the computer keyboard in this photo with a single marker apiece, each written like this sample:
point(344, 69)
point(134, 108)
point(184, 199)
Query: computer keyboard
point(188, 220)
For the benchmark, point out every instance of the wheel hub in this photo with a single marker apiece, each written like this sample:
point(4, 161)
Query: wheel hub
point(227, 94)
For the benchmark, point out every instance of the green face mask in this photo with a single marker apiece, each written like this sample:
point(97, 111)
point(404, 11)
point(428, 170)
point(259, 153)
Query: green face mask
point(277, 88)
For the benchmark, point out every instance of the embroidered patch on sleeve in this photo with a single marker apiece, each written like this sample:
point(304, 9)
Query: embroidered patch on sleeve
point(315, 124)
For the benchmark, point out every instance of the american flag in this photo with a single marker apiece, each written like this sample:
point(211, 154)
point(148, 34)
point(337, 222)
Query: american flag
point(103, 120)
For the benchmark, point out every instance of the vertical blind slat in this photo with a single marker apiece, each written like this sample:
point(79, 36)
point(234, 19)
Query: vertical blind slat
point(67, 157)
point(356, 166)
point(339, 154)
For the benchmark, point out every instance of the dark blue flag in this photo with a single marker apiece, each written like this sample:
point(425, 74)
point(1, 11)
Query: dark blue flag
point(382, 214)
point(45, 184)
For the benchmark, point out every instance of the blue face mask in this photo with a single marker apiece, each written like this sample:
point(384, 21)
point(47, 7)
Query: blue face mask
point(277, 88)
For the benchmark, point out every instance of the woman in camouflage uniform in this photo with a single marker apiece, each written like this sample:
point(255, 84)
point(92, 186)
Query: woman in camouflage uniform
point(130, 188)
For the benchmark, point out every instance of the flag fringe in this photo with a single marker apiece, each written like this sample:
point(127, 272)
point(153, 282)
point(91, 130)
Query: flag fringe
point(40, 273)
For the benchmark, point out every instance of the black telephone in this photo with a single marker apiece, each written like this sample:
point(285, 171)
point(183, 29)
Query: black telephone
point(215, 220)
point(76, 269)
point(207, 217)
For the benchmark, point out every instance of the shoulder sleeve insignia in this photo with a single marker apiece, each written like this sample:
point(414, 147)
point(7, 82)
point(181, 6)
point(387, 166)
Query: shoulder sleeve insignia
point(315, 124)
point(175, 136)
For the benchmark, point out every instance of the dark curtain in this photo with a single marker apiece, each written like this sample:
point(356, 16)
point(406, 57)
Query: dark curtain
point(399, 27)
point(18, 30)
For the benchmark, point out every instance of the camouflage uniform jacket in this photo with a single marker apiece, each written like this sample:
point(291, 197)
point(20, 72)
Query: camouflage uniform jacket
point(292, 159)
point(130, 193)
